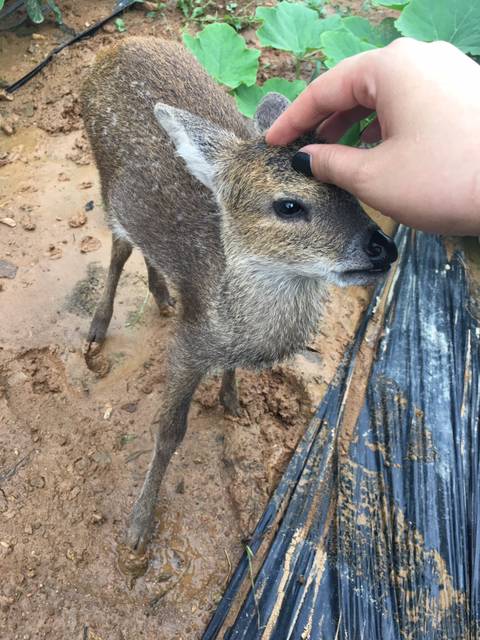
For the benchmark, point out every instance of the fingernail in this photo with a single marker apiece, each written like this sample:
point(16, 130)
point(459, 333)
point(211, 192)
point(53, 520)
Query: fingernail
point(301, 163)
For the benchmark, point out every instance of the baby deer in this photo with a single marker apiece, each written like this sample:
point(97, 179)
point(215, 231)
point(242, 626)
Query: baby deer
point(249, 244)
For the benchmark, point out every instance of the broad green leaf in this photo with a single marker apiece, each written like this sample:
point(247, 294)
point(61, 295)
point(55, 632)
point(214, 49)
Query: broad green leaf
point(338, 45)
point(379, 36)
point(361, 28)
point(388, 31)
point(456, 21)
point(2, 2)
point(293, 27)
point(391, 4)
point(248, 97)
point(224, 54)
point(34, 11)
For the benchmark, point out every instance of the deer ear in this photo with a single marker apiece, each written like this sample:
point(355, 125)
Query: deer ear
point(268, 110)
point(197, 140)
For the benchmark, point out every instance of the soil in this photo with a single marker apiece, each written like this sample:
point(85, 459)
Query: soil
point(74, 445)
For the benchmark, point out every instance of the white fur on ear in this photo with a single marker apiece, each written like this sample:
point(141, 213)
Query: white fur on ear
point(196, 140)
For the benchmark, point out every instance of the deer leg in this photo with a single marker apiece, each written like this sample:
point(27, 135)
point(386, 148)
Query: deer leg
point(229, 393)
point(170, 426)
point(121, 250)
point(159, 289)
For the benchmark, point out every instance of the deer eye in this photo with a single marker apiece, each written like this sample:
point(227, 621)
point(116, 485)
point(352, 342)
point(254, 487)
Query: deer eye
point(289, 209)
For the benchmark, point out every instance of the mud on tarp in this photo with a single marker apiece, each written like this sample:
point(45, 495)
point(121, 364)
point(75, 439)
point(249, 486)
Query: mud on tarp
point(373, 530)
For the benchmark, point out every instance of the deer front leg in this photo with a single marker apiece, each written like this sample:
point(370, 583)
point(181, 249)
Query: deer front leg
point(170, 426)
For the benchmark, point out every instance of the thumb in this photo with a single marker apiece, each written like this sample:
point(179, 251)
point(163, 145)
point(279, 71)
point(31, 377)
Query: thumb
point(337, 164)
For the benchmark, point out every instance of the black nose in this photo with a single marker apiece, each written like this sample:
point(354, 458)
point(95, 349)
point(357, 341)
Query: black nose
point(381, 250)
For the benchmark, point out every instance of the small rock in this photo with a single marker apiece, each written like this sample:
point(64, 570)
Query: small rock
point(8, 269)
point(150, 6)
point(10, 222)
point(77, 220)
point(38, 36)
point(109, 28)
point(86, 184)
point(5, 96)
point(27, 223)
point(129, 407)
point(54, 253)
point(28, 529)
point(62, 177)
point(89, 243)
point(89, 206)
point(108, 413)
point(5, 158)
point(6, 127)
point(97, 518)
point(37, 482)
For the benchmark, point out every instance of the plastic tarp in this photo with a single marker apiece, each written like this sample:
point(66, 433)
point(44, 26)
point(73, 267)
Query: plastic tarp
point(373, 530)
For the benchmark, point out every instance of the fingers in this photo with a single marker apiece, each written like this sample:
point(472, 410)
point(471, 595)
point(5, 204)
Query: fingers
point(340, 165)
point(343, 88)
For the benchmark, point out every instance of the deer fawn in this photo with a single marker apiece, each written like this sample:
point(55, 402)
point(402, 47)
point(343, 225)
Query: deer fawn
point(249, 244)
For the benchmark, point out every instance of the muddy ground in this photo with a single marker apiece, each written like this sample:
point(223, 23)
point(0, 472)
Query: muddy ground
point(74, 446)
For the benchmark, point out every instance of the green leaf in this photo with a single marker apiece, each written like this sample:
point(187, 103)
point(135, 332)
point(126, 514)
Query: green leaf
point(316, 5)
point(391, 4)
point(2, 2)
point(456, 21)
point(34, 11)
point(351, 137)
point(338, 45)
point(388, 32)
point(293, 27)
point(361, 28)
point(120, 24)
point(224, 54)
point(248, 97)
point(379, 36)
point(56, 10)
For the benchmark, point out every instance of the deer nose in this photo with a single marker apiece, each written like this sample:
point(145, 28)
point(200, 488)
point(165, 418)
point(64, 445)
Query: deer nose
point(381, 250)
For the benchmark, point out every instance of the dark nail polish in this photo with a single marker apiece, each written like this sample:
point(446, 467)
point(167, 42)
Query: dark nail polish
point(301, 163)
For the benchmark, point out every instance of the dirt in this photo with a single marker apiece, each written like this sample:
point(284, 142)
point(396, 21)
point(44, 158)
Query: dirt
point(74, 445)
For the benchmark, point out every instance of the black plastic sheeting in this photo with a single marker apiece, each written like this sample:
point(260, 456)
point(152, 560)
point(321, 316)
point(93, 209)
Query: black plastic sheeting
point(373, 531)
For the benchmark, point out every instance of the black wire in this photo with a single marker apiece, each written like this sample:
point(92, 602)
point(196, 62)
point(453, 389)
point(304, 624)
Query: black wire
point(121, 6)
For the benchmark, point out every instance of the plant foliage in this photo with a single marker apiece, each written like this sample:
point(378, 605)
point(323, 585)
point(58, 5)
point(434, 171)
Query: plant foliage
point(224, 55)
point(456, 21)
point(248, 97)
point(35, 10)
point(300, 29)
point(293, 27)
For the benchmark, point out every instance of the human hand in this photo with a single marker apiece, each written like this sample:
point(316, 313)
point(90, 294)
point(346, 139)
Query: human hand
point(426, 171)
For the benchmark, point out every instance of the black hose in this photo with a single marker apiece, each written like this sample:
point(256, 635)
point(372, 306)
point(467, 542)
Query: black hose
point(120, 7)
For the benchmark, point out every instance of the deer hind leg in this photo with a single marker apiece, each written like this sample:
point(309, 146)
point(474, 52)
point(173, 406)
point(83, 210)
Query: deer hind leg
point(229, 393)
point(121, 250)
point(159, 289)
point(170, 425)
